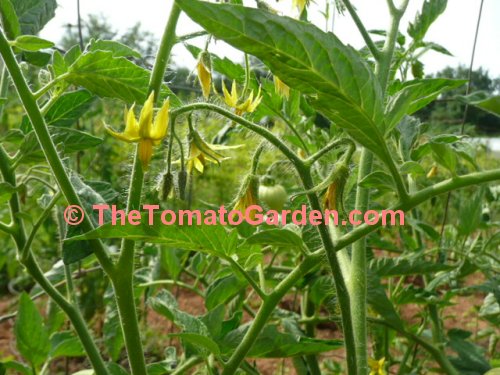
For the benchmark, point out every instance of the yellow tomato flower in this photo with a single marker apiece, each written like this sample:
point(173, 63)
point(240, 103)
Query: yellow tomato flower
point(433, 172)
point(144, 131)
point(204, 68)
point(247, 196)
point(202, 153)
point(377, 367)
point(233, 100)
point(281, 88)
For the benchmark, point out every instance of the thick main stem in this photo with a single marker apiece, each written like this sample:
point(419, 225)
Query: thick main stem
point(122, 279)
point(358, 287)
point(342, 292)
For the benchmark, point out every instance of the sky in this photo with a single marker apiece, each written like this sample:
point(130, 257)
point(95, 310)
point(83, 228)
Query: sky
point(454, 29)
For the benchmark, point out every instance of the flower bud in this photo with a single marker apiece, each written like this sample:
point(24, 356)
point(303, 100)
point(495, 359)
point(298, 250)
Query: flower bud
point(204, 68)
point(166, 184)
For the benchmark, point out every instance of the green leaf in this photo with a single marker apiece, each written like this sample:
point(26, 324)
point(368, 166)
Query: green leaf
point(341, 85)
point(75, 251)
point(223, 290)
point(164, 303)
point(378, 300)
point(378, 180)
point(118, 49)
point(276, 237)
point(211, 239)
point(414, 95)
point(445, 155)
point(31, 43)
point(199, 342)
point(38, 58)
point(482, 100)
point(113, 77)
point(411, 167)
point(68, 108)
point(469, 213)
point(33, 15)
point(66, 139)
point(31, 336)
point(434, 47)
point(470, 360)
point(431, 10)
point(116, 369)
point(112, 331)
point(19, 367)
point(8, 16)
point(271, 343)
point(390, 267)
point(65, 344)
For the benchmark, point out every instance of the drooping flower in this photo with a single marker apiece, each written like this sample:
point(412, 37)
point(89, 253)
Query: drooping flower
point(247, 196)
point(377, 366)
point(281, 88)
point(334, 195)
point(202, 153)
point(240, 105)
point(144, 131)
point(432, 172)
point(204, 68)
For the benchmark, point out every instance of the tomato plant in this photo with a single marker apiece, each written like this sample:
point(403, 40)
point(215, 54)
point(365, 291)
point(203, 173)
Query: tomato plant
point(313, 122)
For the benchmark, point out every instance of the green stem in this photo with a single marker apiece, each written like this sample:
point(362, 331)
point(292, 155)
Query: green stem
point(45, 214)
point(342, 293)
point(167, 42)
point(34, 270)
point(366, 36)
point(308, 309)
point(423, 195)
point(38, 94)
point(275, 141)
point(122, 279)
point(248, 278)
point(48, 147)
point(265, 311)
point(334, 144)
point(358, 281)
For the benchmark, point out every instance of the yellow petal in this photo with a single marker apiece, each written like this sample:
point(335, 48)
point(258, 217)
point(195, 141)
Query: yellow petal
point(121, 136)
point(254, 104)
point(198, 165)
point(131, 126)
point(145, 152)
point(230, 99)
point(146, 117)
point(281, 88)
point(204, 73)
point(243, 107)
point(234, 93)
point(160, 126)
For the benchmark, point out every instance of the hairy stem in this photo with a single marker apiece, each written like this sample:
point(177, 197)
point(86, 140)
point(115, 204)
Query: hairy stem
point(361, 27)
point(122, 279)
point(265, 311)
point(358, 287)
point(34, 270)
point(39, 126)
